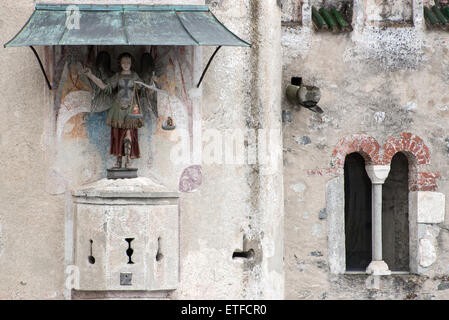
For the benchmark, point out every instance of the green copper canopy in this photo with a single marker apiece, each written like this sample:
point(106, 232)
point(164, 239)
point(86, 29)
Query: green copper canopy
point(124, 25)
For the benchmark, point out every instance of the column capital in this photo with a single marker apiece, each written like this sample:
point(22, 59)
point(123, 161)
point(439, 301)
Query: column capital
point(377, 173)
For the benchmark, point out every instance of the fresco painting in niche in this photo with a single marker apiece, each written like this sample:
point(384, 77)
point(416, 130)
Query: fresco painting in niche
point(387, 13)
point(81, 136)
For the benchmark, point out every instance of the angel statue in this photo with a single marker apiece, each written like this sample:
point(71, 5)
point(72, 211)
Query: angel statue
point(124, 115)
point(149, 97)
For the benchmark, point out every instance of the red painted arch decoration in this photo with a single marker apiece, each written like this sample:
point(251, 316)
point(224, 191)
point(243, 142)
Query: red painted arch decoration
point(411, 145)
point(367, 146)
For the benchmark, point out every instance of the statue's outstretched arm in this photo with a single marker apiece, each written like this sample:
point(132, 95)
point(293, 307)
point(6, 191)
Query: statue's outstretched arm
point(152, 87)
point(96, 80)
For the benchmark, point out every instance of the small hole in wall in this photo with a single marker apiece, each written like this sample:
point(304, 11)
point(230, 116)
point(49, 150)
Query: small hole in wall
point(245, 254)
point(91, 258)
point(129, 251)
point(159, 254)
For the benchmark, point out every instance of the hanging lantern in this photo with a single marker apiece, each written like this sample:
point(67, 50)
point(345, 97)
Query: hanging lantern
point(136, 106)
point(168, 124)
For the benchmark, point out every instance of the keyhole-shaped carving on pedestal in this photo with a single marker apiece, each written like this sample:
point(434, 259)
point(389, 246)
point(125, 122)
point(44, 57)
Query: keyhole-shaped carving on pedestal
point(246, 253)
point(159, 254)
point(129, 251)
point(91, 258)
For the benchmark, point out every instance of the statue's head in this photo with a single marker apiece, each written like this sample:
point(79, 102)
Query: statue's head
point(125, 61)
point(103, 61)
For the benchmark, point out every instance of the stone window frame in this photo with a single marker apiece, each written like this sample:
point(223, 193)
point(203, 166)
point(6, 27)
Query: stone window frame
point(426, 206)
point(300, 13)
point(417, 21)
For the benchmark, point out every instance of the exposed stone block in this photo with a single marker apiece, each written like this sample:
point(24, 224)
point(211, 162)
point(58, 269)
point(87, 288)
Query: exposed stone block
point(427, 253)
point(429, 206)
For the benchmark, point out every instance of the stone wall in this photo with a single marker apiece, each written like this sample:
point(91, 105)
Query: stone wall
point(381, 88)
point(32, 221)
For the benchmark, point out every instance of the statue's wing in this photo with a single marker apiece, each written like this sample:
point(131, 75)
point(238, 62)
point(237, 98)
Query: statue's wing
point(101, 100)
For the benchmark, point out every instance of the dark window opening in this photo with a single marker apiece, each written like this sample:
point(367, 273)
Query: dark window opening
point(357, 213)
point(395, 224)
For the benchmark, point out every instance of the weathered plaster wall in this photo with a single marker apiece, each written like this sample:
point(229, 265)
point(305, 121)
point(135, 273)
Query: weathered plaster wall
point(32, 221)
point(221, 204)
point(379, 83)
point(232, 202)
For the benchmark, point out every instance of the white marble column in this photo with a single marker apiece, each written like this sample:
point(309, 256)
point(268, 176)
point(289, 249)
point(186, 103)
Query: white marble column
point(378, 174)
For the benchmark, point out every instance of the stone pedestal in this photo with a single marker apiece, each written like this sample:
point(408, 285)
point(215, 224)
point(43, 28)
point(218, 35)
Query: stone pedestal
point(126, 235)
point(121, 173)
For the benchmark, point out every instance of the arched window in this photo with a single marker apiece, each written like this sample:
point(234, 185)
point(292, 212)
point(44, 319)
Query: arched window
point(357, 213)
point(395, 222)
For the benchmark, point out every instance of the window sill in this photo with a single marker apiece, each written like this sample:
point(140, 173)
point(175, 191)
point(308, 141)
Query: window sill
point(393, 273)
